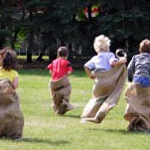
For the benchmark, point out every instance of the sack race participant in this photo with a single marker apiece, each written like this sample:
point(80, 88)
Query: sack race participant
point(61, 91)
point(109, 78)
point(137, 92)
point(11, 118)
point(106, 93)
point(59, 85)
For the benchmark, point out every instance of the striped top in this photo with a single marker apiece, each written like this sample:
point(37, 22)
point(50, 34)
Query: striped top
point(139, 66)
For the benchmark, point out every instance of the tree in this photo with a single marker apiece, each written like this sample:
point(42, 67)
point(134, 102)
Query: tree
point(126, 22)
point(58, 22)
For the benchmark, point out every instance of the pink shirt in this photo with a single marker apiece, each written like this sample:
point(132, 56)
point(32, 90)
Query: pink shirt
point(59, 68)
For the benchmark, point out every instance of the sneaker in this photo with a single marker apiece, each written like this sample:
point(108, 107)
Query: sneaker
point(70, 107)
point(83, 120)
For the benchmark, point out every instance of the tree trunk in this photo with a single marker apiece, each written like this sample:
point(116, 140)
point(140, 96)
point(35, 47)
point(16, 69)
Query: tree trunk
point(29, 58)
point(29, 50)
point(2, 36)
point(52, 56)
point(41, 54)
point(2, 41)
point(14, 39)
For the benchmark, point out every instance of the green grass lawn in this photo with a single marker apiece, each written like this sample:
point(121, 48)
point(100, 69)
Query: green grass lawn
point(44, 130)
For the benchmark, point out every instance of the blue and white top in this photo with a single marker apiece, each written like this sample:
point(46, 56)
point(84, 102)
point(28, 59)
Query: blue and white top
point(139, 69)
point(102, 61)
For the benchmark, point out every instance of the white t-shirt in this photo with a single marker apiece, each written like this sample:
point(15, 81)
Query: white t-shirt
point(101, 61)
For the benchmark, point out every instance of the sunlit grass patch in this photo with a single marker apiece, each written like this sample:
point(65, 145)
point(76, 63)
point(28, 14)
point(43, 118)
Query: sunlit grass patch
point(44, 130)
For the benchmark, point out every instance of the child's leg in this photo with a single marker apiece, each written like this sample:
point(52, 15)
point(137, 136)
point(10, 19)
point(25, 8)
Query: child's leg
point(66, 97)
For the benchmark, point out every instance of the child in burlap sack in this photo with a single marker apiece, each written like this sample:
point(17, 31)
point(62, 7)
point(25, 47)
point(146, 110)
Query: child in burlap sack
point(137, 92)
point(60, 86)
point(11, 118)
point(109, 74)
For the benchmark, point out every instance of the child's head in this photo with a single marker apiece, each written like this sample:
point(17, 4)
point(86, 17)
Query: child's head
point(62, 52)
point(144, 46)
point(8, 58)
point(101, 44)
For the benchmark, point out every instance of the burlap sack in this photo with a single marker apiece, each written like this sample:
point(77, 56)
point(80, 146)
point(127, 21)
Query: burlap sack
point(11, 118)
point(60, 91)
point(106, 93)
point(138, 108)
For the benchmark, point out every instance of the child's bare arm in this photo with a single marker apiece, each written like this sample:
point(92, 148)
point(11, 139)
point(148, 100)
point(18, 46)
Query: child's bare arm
point(69, 73)
point(15, 83)
point(121, 61)
point(50, 72)
point(88, 72)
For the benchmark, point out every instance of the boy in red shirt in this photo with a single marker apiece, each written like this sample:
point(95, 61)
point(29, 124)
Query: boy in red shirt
point(60, 86)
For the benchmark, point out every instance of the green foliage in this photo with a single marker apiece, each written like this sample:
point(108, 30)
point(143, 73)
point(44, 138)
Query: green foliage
point(124, 24)
point(55, 22)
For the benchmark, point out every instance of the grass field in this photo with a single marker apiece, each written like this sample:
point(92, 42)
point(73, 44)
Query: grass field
point(44, 130)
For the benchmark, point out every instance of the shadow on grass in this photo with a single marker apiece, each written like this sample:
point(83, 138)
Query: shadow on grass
point(45, 141)
point(71, 116)
point(122, 131)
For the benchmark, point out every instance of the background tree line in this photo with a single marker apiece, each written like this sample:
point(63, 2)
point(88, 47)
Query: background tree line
point(46, 24)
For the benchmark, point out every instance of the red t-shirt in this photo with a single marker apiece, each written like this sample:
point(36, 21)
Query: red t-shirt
point(59, 68)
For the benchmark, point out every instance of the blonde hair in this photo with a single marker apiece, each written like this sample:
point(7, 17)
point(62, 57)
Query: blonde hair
point(101, 44)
